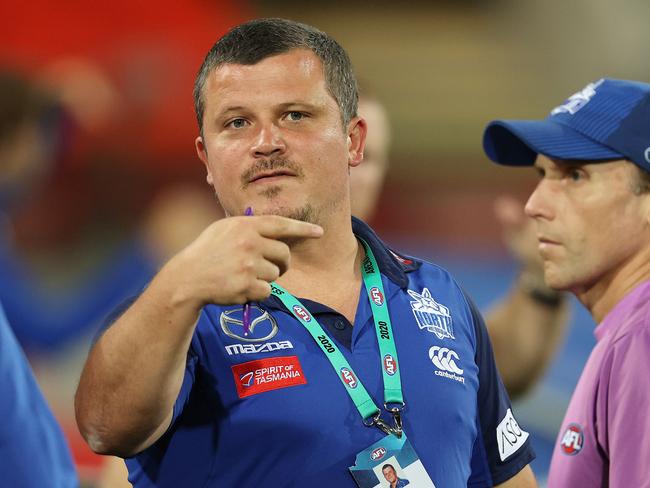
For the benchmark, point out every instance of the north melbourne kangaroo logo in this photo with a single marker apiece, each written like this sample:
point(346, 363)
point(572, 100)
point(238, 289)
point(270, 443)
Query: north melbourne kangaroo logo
point(578, 100)
point(431, 315)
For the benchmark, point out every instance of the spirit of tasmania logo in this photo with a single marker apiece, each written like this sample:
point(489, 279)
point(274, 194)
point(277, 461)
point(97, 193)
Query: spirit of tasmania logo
point(267, 374)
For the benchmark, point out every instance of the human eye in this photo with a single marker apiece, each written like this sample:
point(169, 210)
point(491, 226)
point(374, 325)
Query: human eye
point(237, 123)
point(295, 115)
point(575, 174)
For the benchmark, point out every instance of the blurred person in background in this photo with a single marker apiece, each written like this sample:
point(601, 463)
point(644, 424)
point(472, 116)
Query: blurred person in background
point(34, 129)
point(33, 451)
point(592, 213)
point(35, 126)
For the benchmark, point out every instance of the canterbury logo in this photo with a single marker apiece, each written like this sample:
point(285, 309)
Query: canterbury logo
point(445, 359)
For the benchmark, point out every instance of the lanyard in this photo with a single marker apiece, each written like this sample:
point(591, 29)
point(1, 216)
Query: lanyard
point(393, 399)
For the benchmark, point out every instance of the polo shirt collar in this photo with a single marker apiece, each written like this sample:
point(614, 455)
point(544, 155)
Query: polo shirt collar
point(391, 264)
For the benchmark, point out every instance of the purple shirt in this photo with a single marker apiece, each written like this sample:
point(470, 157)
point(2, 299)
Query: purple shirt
point(605, 436)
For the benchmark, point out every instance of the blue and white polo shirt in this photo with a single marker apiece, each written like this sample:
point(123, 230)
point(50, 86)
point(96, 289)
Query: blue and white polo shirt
point(268, 410)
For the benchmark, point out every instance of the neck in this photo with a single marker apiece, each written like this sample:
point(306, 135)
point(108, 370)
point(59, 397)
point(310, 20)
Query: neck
point(603, 296)
point(336, 255)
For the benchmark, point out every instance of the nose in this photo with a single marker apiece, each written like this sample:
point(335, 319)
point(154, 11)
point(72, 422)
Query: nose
point(269, 142)
point(539, 204)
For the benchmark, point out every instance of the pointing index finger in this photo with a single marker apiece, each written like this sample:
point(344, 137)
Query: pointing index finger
point(277, 227)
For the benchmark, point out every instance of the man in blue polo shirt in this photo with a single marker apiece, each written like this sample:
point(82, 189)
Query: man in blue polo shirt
point(344, 354)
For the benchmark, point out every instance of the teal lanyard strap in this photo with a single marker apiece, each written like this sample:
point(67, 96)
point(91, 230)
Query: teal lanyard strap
point(353, 386)
point(383, 328)
point(393, 398)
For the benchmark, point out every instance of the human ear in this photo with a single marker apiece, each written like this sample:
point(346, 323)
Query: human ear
point(202, 152)
point(356, 135)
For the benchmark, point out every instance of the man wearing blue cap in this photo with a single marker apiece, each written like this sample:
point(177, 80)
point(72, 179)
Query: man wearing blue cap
point(592, 210)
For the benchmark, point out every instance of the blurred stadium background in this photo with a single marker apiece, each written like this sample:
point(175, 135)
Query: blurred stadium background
point(443, 69)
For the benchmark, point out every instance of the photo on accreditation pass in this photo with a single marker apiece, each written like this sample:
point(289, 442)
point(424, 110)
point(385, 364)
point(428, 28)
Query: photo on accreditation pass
point(390, 463)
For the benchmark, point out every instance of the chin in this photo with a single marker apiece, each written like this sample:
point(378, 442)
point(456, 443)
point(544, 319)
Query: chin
point(305, 213)
point(558, 282)
point(554, 279)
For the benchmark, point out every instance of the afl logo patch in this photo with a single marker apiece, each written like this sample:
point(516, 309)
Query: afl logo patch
point(376, 296)
point(348, 378)
point(378, 453)
point(302, 313)
point(572, 440)
point(390, 365)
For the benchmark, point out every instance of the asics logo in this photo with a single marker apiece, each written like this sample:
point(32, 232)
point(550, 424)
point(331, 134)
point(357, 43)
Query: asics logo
point(445, 359)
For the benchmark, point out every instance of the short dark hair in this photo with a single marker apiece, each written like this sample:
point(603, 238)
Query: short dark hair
point(254, 41)
point(387, 465)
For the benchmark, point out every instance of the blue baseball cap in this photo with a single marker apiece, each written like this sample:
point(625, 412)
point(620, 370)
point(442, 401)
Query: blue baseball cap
point(608, 119)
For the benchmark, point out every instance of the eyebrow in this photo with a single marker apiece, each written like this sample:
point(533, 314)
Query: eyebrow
point(283, 106)
point(298, 103)
point(237, 108)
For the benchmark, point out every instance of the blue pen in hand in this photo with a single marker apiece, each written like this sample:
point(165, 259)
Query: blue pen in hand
point(246, 322)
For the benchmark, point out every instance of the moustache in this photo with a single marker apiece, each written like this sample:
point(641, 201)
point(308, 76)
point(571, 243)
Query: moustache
point(266, 165)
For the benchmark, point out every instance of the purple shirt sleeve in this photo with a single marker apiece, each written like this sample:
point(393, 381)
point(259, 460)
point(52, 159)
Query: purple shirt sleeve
point(623, 408)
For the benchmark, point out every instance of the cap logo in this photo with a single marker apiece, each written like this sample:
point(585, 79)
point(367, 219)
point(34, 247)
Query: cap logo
point(578, 100)
point(646, 154)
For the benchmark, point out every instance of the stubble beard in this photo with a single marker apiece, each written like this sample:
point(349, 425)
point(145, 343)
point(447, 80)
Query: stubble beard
point(306, 213)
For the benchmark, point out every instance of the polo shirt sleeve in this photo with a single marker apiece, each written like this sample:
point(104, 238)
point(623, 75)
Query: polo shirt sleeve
point(188, 380)
point(502, 447)
point(190, 365)
point(625, 407)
